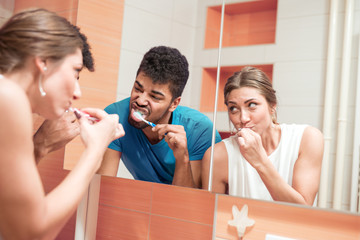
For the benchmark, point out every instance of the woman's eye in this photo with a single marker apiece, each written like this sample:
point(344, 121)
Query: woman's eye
point(232, 109)
point(252, 105)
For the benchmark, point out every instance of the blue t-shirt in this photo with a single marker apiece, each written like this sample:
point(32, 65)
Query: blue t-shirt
point(156, 163)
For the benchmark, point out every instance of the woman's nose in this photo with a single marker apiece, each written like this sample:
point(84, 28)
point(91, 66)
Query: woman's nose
point(244, 117)
point(77, 91)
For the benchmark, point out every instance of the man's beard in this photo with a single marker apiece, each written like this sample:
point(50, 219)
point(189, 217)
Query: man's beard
point(135, 124)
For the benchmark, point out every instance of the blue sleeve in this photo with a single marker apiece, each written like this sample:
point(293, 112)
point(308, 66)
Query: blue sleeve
point(200, 139)
point(116, 144)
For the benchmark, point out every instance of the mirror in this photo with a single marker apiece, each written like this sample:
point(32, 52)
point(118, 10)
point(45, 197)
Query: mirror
point(296, 58)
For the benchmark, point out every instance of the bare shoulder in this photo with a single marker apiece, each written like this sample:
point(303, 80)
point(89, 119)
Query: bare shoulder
point(219, 152)
point(12, 96)
point(312, 134)
point(220, 158)
point(312, 142)
point(15, 109)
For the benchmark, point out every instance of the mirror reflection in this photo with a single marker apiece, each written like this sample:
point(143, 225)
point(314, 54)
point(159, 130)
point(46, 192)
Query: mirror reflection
point(292, 52)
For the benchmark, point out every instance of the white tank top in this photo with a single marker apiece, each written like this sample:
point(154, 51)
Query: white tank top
point(243, 179)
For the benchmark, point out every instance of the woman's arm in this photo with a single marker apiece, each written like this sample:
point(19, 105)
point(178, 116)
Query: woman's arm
point(306, 174)
point(220, 169)
point(26, 212)
point(307, 169)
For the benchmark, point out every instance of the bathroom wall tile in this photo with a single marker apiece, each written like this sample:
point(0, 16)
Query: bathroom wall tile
point(208, 93)
point(294, 8)
point(92, 97)
point(6, 10)
point(245, 55)
point(195, 88)
point(299, 39)
point(311, 115)
point(185, 12)
point(175, 229)
point(183, 203)
point(58, 6)
point(108, 29)
point(125, 193)
point(117, 223)
point(183, 38)
point(297, 83)
point(70, 15)
point(147, 27)
point(102, 78)
point(128, 66)
point(123, 172)
point(161, 8)
point(23, 4)
point(263, 21)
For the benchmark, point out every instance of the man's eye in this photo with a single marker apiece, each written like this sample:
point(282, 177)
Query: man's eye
point(155, 97)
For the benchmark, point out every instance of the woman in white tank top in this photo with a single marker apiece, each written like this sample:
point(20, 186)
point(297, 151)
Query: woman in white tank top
point(263, 160)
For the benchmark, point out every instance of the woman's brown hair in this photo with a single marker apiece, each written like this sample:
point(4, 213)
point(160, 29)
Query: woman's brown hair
point(36, 32)
point(254, 78)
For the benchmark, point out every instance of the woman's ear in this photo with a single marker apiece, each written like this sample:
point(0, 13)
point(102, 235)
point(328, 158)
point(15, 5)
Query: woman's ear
point(174, 104)
point(40, 63)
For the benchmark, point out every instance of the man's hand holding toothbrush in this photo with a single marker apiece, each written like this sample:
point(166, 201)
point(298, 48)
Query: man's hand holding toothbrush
point(175, 136)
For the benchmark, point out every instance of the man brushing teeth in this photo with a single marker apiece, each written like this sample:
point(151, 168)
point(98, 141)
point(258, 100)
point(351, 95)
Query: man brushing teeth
point(170, 152)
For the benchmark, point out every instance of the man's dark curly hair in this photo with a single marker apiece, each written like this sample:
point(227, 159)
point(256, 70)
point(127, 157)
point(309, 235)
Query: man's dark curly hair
point(166, 65)
point(88, 60)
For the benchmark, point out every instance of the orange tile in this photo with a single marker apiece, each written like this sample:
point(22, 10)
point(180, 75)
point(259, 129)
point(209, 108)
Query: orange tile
point(183, 203)
point(91, 15)
point(58, 5)
point(241, 22)
point(238, 40)
point(174, 229)
point(261, 38)
point(95, 97)
point(125, 193)
point(262, 21)
point(209, 84)
point(211, 38)
point(208, 90)
point(116, 223)
point(20, 5)
point(69, 15)
point(102, 78)
point(213, 19)
point(286, 220)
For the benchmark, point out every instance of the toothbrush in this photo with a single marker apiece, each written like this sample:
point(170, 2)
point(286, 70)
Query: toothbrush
point(138, 115)
point(79, 114)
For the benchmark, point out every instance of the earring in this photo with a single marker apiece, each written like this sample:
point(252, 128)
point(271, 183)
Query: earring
point(42, 92)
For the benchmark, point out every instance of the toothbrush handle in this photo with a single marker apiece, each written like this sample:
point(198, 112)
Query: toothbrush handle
point(151, 124)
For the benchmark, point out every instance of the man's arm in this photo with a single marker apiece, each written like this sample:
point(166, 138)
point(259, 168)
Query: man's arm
point(110, 163)
point(175, 136)
point(55, 134)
